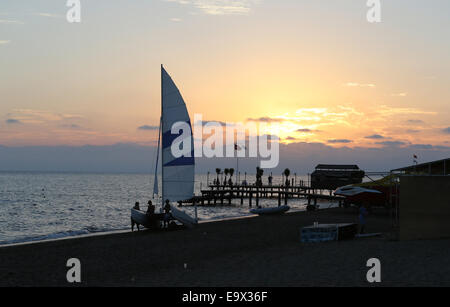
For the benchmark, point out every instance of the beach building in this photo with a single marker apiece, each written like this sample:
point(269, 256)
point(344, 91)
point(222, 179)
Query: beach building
point(424, 202)
point(333, 176)
point(439, 167)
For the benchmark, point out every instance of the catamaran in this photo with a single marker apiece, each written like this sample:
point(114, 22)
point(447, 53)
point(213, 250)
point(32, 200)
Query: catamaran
point(177, 173)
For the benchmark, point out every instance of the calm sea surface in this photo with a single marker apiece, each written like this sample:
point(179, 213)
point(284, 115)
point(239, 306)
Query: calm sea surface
point(38, 206)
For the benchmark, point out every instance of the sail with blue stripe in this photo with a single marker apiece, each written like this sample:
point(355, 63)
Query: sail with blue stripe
point(177, 172)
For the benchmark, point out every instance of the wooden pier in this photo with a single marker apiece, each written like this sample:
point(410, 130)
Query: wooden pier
point(222, 194)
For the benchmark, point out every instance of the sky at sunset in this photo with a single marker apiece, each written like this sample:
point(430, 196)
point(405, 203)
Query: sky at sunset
point(316, 70)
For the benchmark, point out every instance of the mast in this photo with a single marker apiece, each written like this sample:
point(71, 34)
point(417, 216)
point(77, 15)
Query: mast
point(162, 141)
point(155, 182)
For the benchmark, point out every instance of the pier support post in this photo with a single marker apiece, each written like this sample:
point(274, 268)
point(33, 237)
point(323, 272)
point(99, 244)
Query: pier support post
point(257, 197)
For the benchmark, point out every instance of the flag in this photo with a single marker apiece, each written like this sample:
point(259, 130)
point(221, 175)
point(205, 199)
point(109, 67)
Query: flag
point(237, 147)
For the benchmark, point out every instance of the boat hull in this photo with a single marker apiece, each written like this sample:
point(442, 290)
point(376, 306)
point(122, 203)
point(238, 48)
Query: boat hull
point(142, 218)
point(183, 218)
point(270, 211)
point(371, 196)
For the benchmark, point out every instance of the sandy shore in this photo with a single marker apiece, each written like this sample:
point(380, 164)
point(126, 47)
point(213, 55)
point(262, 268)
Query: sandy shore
point(260, 251)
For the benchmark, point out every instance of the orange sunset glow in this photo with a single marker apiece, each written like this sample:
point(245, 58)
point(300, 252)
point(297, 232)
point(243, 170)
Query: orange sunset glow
point(312, 74)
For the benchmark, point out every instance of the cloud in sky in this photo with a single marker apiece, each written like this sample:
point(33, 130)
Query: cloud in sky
point(375, 136)
point(50, 15)
point(399, 94)
point(213, 123)
point(356, 84)
point(415, 121)
point(391, 143)
point(340, 141)
point(4, 42)
point(12, 121)
point(266, 120)
point(220, 7)
point(148, 127)
point(446, 130)
point(422, 146)
point(8, 21)
point(71, 126)
point(31, 116)
point(389, 111)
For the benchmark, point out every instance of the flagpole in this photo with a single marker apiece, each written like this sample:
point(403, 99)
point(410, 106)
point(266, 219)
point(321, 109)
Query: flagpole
point(237, 168)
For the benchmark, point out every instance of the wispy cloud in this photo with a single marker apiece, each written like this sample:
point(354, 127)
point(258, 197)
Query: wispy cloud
point(304, 130)
point(12, 121)
point(446, 130)
point(220, 7)
point(412, 131)
point(175, 19)
point(50, 15)
point(148, 127)
point(71, 126)
point(356, 84)
point(31, 116)
point(388, 111)
point(4, 42)
point(422, 146)
point(415, 121)
point(213, 123)
point(399, 94)
point(375, 136)
point(266, 120)
point(6, 21)
point(391, 143)
point(340, 141)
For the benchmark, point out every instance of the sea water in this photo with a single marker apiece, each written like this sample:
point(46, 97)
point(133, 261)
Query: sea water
point(39, 206)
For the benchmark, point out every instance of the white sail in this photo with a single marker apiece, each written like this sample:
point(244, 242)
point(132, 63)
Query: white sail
point(177, 173)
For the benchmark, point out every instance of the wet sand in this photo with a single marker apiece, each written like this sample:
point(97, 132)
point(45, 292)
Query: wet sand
point(257, 251)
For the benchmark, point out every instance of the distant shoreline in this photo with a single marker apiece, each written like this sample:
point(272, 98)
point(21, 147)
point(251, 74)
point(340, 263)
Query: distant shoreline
point(212, 175)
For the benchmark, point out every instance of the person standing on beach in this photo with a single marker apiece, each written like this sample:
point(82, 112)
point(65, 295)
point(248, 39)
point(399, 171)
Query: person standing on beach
point(362, 218)
point(136, 207)
point(166, 214)
point(150, 208)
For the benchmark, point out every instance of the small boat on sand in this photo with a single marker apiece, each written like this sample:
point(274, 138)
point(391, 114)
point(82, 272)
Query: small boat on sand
point(382, 192)
point(270, 211)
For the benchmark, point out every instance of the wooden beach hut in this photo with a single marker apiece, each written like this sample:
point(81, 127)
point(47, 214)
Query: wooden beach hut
point(333, 176)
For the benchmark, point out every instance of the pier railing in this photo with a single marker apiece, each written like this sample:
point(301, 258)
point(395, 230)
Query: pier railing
point(221, 194)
